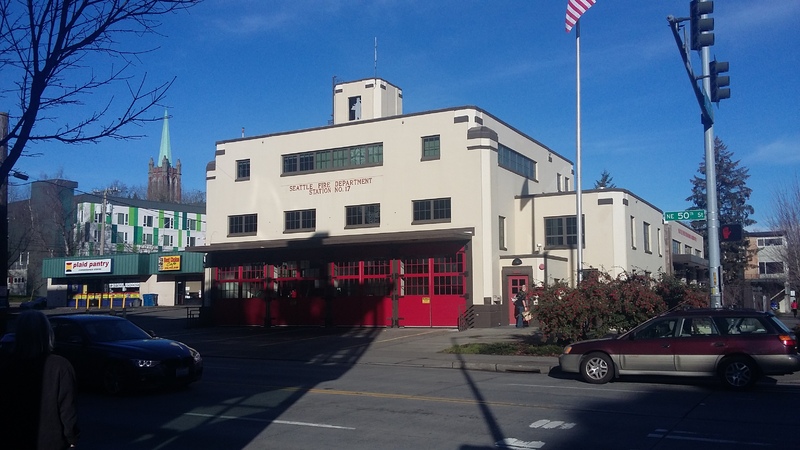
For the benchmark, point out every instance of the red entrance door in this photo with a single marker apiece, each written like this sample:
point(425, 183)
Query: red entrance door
point(515, 283)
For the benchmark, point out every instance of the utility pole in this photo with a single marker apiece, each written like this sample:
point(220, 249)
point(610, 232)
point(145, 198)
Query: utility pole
point(3, 225)
point(701, 27)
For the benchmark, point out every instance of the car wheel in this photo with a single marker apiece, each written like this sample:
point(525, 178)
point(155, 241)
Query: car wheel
point(738, 372)
point(597, 368)
point(112, 380)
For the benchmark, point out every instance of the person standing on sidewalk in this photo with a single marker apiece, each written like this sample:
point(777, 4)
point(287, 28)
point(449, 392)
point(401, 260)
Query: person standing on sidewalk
point(794, 308)
point(38, 390)
point(520, 305)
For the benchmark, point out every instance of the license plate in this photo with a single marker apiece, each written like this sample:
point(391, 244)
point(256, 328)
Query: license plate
point(182, 372)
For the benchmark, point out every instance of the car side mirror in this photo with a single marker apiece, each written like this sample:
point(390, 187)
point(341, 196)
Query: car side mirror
point(151, 333)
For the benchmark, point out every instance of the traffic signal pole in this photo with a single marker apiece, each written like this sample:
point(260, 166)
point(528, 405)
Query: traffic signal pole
point(701, 39)
point(712, 220)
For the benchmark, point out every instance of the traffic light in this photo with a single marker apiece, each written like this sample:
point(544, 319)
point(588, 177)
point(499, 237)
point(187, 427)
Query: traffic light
point(719, 82)
point(702, 35)
point(730, 232)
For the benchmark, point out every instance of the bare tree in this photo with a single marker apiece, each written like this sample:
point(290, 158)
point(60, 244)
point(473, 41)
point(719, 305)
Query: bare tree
point(785, 219)
point(45, 49)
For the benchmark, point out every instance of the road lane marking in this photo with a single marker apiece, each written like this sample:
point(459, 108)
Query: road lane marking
point(689, 436)
point(517, 444)
point(550, 424)
point(281, 422)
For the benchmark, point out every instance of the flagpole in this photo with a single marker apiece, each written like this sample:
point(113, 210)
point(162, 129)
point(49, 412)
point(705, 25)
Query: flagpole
point(578, 191)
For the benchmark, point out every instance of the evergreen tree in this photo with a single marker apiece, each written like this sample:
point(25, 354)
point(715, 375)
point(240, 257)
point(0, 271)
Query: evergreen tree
point(732, 197)
point(605, 181)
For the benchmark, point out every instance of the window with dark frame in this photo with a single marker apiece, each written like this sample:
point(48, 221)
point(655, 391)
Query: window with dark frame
point(363, 215)
point(562, 231)
point(334, 159)
point(431, 147)
point(302, 220)
point(516, 162)
point(245, 224)
point(431, 210)
point(646, 237)
point(243, 169)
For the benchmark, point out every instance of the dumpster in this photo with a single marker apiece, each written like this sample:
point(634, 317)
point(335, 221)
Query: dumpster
point(150, 299)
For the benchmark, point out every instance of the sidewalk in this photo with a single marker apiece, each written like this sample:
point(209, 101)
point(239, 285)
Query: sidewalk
point(418, 347)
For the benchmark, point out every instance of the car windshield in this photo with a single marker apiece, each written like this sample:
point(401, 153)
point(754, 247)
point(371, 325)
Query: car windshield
point(114, 330)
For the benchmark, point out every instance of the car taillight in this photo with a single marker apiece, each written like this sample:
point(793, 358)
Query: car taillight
point(788, 340)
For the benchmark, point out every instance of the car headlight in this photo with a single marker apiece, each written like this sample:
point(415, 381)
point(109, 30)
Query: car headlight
point(145, 363)
point(196, 355)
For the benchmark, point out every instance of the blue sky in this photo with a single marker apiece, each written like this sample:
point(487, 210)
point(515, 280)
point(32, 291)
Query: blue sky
point(268, 67)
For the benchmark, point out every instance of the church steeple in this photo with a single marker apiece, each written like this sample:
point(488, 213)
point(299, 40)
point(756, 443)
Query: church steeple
point(166, 149)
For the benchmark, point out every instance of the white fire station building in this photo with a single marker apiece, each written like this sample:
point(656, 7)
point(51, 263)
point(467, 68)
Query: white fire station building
point(389, 219)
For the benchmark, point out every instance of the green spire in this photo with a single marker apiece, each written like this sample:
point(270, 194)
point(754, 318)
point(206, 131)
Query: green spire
point(166, 150)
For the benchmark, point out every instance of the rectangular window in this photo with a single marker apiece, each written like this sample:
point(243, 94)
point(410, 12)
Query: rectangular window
point(122, 219)
point(304, 220)
point(430, 147)
point(167, 241)
point(363, 215)
point(566, 184)
point(245, 224)
point(501, 229)
point(168, 222)
point(766, 242)
point(354, 107)
point(338, 158)
point(147, 239)
point(770, 268)
point(687, 250)
point(98, 217)
point(562, 231)
point(148, 221)
point(633, 232)
point(659, 241)
point(243, 169)
point(122, 237)
point(434, 210)
point(646, 237)
point(192, 241)
point(558, 182)
point(191, 224)
point(676, 247)
point(516, 162)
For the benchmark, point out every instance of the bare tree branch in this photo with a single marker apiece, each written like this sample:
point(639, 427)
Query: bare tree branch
point(45, 46)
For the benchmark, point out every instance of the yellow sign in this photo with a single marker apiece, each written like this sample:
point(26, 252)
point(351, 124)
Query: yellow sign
point(426, 300)
point(169, 263)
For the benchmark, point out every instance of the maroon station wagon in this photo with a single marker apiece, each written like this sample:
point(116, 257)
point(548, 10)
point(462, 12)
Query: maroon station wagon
point(738, 346)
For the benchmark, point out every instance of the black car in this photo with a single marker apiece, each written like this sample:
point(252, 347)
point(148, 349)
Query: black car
point(113, 353)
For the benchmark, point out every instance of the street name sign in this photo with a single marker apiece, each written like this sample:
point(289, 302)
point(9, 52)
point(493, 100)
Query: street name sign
point(690, 214)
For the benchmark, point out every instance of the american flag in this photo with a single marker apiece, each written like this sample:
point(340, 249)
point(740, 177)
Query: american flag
point(575, 9)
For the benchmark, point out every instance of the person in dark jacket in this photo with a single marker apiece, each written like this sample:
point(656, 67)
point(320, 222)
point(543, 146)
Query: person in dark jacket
point(38, 390)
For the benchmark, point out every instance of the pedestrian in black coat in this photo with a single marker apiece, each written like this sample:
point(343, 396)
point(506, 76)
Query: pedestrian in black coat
point(37, 390)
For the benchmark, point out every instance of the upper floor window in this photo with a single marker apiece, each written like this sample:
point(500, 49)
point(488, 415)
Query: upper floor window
point(766, 242)
point(561, 231)
point(122, 219)
point(363, 215)
point(166, 240)
point(191, 224)
point(302, 220)
point(354, 106)
point(516, 162)
point(676, 247)
point(770, 268)
point(148, 221)
point(646, 237)
point(243, 169)
point(431, 147)
point(501, 228)
point(334, 159)
point(433, 210)
point(244, 224)
point(168, 222)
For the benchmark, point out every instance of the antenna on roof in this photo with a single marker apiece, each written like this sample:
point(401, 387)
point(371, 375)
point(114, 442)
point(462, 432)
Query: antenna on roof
point(376, 57)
